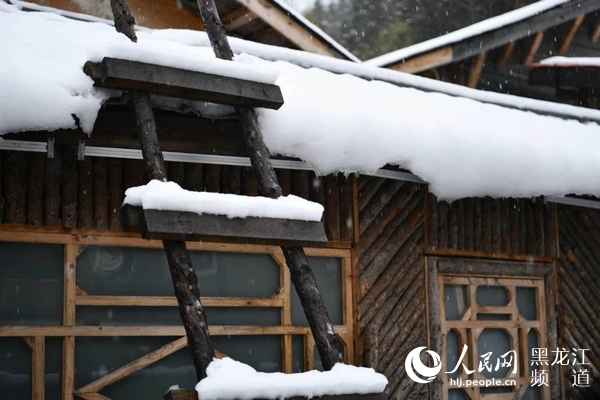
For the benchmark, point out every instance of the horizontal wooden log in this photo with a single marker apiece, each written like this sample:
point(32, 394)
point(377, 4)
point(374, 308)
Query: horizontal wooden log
point(565, 76)
point(166, 301)
point(187, 226)
point(167, 81)
point(183, 394)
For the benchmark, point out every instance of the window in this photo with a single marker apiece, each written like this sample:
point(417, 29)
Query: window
point(501, 316)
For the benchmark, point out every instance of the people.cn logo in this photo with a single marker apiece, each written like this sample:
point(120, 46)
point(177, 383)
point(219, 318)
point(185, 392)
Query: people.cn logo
point(414, 366)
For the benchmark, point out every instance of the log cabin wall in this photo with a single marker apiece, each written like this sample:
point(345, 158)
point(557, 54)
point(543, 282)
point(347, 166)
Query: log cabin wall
point(391, 280)
point(88, 194)
point(579, 293)
point(491, 227)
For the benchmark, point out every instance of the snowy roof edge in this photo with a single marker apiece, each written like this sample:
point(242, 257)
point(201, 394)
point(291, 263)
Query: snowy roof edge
point(469, 31)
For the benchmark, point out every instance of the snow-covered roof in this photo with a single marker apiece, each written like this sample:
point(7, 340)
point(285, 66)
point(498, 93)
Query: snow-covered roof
point(338, 115)
point(472, 30)
point(572, 61)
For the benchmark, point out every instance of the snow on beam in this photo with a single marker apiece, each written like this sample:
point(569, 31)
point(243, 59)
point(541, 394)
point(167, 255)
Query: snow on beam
point(174, 82)
point(188, 226)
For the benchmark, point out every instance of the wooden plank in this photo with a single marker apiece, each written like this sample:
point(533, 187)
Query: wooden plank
point(69, 188)
point(165, 301)
point(240, 21)
point(595, 33)
point(183, 394)
point(92, 396)
point(309, 352)
point(134, 366)
point(476, 69)
point(300, 184)
point(231, 179)
point(69, 320)
point(38, 366)
point(564, 47)
point(581, 77)
point(176, 172)
point(425, 61)
point(68, 365)
point(285, 180)
point(212, 176)
point(52, 192)
point(249, 182)
point(103, 331)
point(194, 177)
point(506, 54)
point(176, 225)
point(346, 196)
point(286, 311)
point(85, 195)
point(35, 189)
point(14, 165)
point(535, 46)
point(167, 81)
point(115, 193)
point(348, 304)
point(100, 174)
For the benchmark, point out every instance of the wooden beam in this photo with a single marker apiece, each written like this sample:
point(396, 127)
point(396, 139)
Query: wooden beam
point(167, 81)
point(286, 311)
point(287, 26)
point(188, 226)
point(69, 320)
point(134, 366)
point(92, 396)
point(564, 47)
point(535, 46)
point(240, 21)
point(38, 366)
point(476, 69)
point(425, 62)
point(508, 51)
point(165, 301)
point(103, 331)
point(595, 33)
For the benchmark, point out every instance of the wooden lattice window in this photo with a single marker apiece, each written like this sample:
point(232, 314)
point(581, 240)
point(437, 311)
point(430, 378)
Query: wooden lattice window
point(498, 315)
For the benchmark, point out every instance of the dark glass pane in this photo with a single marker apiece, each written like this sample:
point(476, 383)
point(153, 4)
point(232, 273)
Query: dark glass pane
point(491, 296)
point(496, 341)
point(453, 352)
point(328, 272)
point(492, 390)
point(298, 353)
point(263, 353)
point(532, 342)
point(31, 284)
point(526, 302)
point(456, 301)
point(457, 394)
point(15, 369)
point(532, 393)
point(144, 272)
point(54, 346)
point(162, 316)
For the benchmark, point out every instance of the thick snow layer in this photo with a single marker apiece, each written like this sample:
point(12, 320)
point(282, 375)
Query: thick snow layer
point(464, 33)
point(157, 195)
point(42, 59)
point(229, 379)
point(460, 146)
point(572, 61)
point(334, 121)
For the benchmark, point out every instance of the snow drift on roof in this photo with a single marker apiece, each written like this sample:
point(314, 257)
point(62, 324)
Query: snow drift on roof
point(157, 195)
point(472, 30)
point(229, 379)
point(334, 122)
point(572, 61)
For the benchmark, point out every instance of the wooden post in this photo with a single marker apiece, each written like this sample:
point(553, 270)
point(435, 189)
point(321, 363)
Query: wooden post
point(329, 347)
point(183, 275)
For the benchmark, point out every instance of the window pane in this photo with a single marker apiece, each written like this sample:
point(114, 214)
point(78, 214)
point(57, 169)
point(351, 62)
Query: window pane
point(457, 394)
point(526, 302)
point(328, 272)
point(31, 284)
point(452, 352)
point(456, 301)
point(491, 296)
point(15, 369)
point(125, 271)
point(298, 353)
point(496, 341)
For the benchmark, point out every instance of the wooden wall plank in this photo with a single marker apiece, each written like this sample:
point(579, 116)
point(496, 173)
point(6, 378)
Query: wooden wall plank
point(346, 193)
point(85, 198)
point(52, 192)
point(332, 207)
point(284, 177)
point(38, 366)
point(212, 177)
point(14, 166)
point(194, 177)
point(116, 192)
point(35, 189)
point(176, 172)
point(69, 188)
point(100, 175)
point(231, 179)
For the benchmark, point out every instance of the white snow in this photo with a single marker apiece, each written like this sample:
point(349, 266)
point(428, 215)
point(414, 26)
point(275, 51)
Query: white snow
point(229, 379)
point(42, 59)
point(334, 121)
point(464, 33)
point(572, 61)
point(157, 195)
